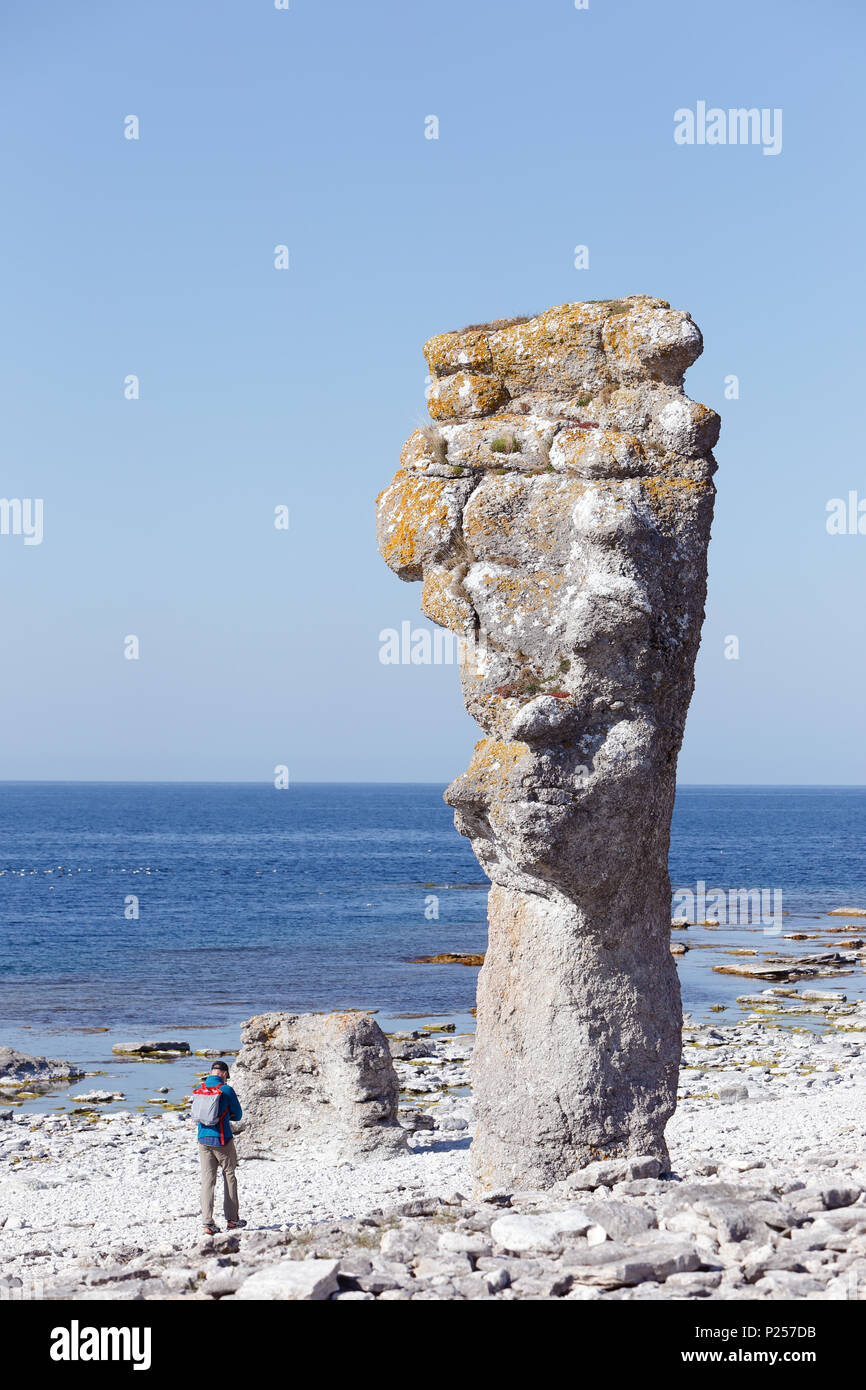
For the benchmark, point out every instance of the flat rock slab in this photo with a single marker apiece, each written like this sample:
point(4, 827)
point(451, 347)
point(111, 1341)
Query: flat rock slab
point(309, 1280)
point(549, 1232)
point(606, 1172)
point(612, 1265)
point(546, 1234)
point(147, 1049)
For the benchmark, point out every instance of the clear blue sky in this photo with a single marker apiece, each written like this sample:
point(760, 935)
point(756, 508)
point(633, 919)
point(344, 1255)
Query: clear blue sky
point(259, 387)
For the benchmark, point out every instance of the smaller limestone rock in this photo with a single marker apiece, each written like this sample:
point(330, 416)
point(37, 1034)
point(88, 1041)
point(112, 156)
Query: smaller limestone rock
point(465, 1243)
point(613, 1266)
point(406, 1047)
point(734, 1091)
point(322, 1080)
point(607, 1172)
point(617, 1221)
point(413, 1120)
point(446, 1264)
point(833, 1197)
point(291, 1280)
point(545, 1233)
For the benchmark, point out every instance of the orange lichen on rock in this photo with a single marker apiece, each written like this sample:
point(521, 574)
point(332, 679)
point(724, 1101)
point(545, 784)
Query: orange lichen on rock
point(545, 351)
point(417, 517)
point(666, 496)
point(574, 346)
point(494, 764)
point(463, 395)
point(443, 602)
point(652, 340)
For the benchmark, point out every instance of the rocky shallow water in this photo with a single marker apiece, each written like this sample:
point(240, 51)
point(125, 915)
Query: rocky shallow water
point(766, 1198)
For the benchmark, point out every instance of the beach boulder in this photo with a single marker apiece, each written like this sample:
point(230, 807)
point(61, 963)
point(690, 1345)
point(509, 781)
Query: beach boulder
point(323, 1082)
point(17, 1068)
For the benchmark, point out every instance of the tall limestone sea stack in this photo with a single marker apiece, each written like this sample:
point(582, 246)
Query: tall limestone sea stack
point(558, 512)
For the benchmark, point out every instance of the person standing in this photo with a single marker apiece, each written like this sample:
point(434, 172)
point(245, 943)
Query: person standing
point(217, 1152)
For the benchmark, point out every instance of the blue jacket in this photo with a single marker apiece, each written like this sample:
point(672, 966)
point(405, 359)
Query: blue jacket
point(221, 1133)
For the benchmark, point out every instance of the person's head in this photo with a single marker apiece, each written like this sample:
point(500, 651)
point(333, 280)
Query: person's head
point(221, 1070)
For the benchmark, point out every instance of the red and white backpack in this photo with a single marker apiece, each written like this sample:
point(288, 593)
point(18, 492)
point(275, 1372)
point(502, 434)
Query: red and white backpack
point(206, 1105)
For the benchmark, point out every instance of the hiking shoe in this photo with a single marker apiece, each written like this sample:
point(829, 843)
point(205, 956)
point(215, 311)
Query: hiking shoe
point(211, 1230)
point(233, 1225)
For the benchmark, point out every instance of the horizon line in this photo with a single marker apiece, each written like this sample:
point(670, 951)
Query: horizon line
point(354, 782)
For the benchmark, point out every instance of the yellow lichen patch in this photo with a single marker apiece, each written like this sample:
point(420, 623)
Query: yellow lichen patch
point(550, 349)
point(666, 495)
point(443, 603)
point(492, 711)
point(416, 516)
point(449, 352)
point(651, 338)
point(494, 760)
point(486, 782)
point(703, 413)
point(560, 348)
point(463, 395)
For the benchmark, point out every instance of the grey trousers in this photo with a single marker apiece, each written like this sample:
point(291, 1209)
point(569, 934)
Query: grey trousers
point(212, 1160)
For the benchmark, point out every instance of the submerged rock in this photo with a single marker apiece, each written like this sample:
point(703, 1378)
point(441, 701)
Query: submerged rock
point(558, 513)
point(324, 1081)
point(101, 1096)
point(450, 958)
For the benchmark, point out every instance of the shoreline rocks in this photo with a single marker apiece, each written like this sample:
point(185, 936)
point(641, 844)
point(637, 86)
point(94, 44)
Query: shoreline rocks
point(766, 1199)
point(450, 958)
point(152, 1049)
point(100, 1097)
point(18, 1068)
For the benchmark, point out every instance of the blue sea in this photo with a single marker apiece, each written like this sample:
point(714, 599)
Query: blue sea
point(176, 910)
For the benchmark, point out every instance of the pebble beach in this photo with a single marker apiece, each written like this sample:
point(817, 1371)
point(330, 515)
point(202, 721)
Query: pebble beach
point(766, 1198)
